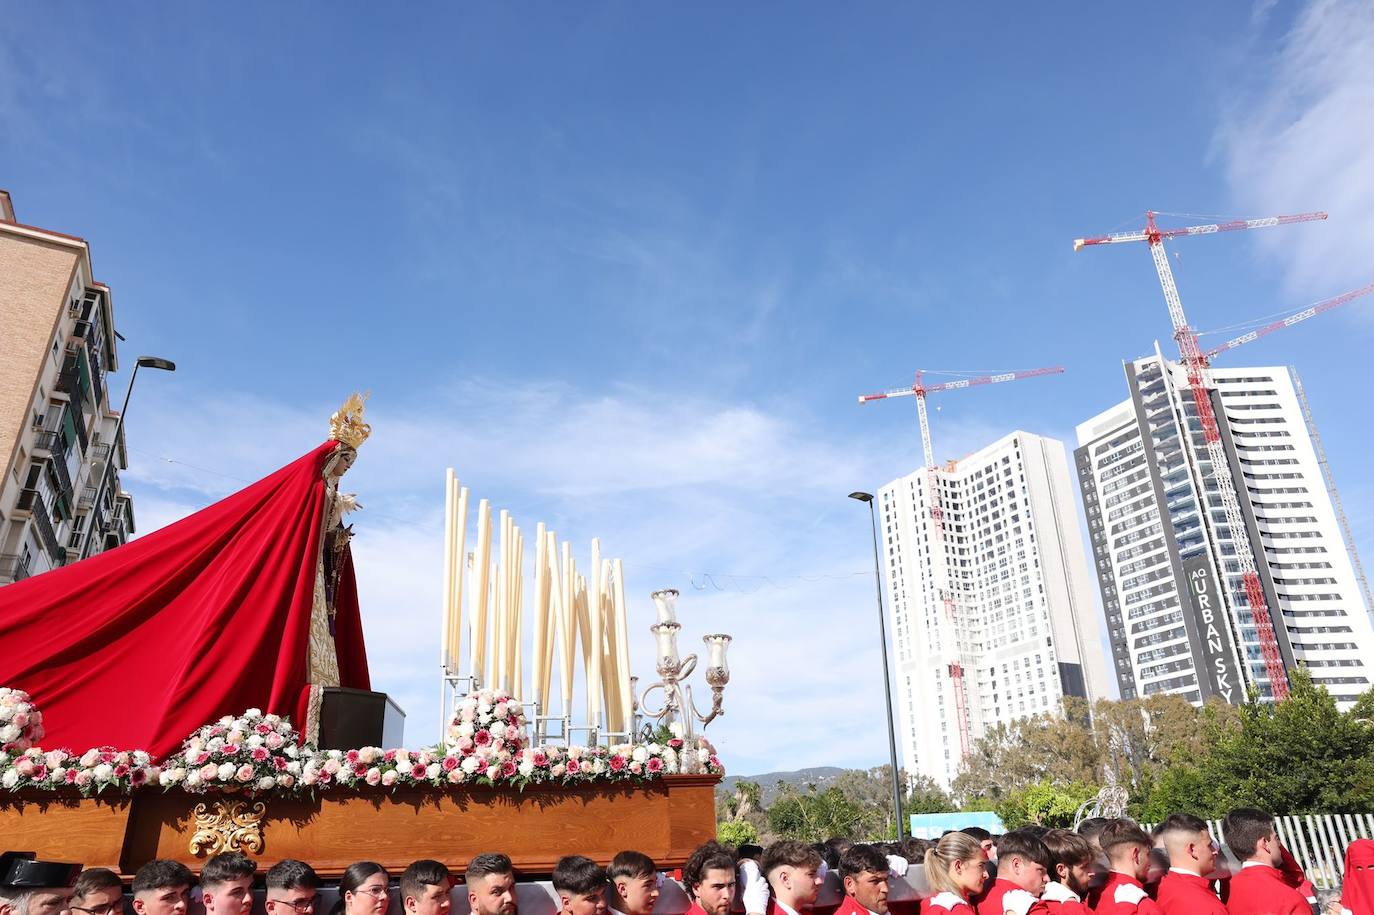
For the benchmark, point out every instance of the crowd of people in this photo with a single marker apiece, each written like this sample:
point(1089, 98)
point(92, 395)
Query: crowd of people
point(1108, 867)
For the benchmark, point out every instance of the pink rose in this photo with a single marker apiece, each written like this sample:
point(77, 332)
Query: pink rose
point(82, 778)
point(260, 753)
point(465, 744)
point(417, 771)
point(245, 773)
point(231, 749)
point(715, 763)
point(208, 772)
point(275, 741)
point(352, 756)
point(200, 758)
point(20, 720)
point(508, 769)
point(324, 778)
point(636, 768)
point(216, 731)
point(455, 776)
point(389, 777)
point(279, 763)
point(121, 770)
point(70, 776)
point(286, 780)
point(675, 743)
point(263, 729)
point(55, 758)
point(373, 777)
point(450, 763)
point(389, 756)
point(617, 763)
point(540, 759)
point(106, 755)
point(655, 764)
point(331, 766)
point(40, 772)
point(574, 767)
point(425, 758)
point(24, 765)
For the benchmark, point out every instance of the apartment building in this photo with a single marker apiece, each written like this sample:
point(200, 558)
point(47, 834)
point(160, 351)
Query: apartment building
point(1176, 611)
point(57, 347)
point(996, 588)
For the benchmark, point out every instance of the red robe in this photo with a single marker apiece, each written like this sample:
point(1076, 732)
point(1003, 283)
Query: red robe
point(946, 904)
point(1188, 894)
point(1060, 900)
point(1124, 895)
point(1258, 889)
point(1006, 896)
point(850, 906)
point(1357, 892)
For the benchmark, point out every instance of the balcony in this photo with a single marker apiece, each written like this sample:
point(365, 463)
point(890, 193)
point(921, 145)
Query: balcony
point(87, 498)
point(13, 567)
point(31, 501)
point(47, 441)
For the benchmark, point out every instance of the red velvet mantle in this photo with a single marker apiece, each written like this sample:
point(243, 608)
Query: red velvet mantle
point(210, 616)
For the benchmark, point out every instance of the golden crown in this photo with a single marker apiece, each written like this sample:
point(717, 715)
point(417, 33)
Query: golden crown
point(346, 425)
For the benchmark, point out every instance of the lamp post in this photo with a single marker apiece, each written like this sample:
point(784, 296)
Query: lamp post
point(887, 686)
point(152, 362)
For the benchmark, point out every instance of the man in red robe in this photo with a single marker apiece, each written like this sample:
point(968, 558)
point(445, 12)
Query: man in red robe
point(793, 870)
point(1023, 866)
point(709, 878)
point(1186, 889)
point(1260, 888)
point(1127, 848)
point(1071, 872)
point(864, 872)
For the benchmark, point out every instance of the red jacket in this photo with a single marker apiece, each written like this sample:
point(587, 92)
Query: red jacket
point(1182, 893)
point(1258, 889)
point(850, 906)
point(1060, 900)
point(1124, 895)
point(1005, 896)
point(946, 904)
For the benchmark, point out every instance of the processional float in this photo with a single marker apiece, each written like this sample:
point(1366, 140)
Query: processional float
point(163, 699)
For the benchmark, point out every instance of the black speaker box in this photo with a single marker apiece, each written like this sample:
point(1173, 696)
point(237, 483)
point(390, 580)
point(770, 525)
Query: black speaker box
point(353, 718)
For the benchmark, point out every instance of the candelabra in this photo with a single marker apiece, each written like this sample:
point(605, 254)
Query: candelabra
point(677, 705)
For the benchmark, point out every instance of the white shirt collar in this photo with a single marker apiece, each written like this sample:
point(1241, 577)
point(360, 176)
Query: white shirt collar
point(1245, 864)
point(785, 907)
point(1184, 870)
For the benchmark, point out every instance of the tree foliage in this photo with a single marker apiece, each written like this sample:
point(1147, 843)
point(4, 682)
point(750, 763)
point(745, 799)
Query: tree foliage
point(737, 832)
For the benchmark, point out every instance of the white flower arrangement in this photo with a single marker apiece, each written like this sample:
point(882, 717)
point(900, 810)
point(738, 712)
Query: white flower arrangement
point(256, 753)
point(21, 724)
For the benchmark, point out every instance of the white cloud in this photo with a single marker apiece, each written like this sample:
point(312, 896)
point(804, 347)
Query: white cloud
point(1302, 138)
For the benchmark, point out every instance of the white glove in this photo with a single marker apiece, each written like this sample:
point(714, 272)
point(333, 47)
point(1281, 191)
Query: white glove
point(753, 890)
point(898, 865)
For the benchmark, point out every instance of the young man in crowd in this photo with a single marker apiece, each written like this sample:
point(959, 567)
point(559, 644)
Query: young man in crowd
point(490, 881)
point(226, 884)
point(633, 884)
point(98, 891)
point(162, 887)
point(864, 871)
point(1127, 849)
point(581, 886)
point(30, 887)
point(426, 888)
point(709, 878)
point(1072, 860)
point(292, 888)
point(793, 872)
point(1186, 889)
point(1259, 888)
point(1091, 829)
point(1023, 865)
point(984, 839)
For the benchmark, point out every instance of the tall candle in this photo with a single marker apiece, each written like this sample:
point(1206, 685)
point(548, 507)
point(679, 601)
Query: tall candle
point(481, 568)
point(541, 615)
point(595, 687)
point(622, 645)
point(455, 644)
point(450, 509)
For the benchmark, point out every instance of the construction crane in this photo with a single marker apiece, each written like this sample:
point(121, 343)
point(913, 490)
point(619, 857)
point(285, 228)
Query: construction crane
point(1195, 362)
point(945, 587)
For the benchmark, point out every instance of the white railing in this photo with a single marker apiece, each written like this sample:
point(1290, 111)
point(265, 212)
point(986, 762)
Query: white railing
point(1318, 841)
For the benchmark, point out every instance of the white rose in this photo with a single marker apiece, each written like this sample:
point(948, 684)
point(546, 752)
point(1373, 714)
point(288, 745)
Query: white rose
point(433, 770)
point(470, 764)
point(293, 767)
point(10, 778)
point(498, 730)
point(253, 713)
point(598, 767)
point(703, 756)
point(90, 758)
point(266, 783)
point(215, 745)
point(226, 772)
point(526, 768)
point(493, 772)
point(484, 709)
point(655, 749)
point(192, 778)
point(499, 710)
point(165, 779)
point(640, 754)
point(291, 750)
point(675, 728)
point(103, 772)
point(255, 740)
point(466, 729)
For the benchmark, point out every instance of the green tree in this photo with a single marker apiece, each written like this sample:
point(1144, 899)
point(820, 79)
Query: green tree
point(737, 833)
point(812, 815)
point(1044, 804)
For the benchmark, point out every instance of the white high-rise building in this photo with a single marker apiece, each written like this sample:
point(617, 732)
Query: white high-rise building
point(998, 585)
point(1172, 628)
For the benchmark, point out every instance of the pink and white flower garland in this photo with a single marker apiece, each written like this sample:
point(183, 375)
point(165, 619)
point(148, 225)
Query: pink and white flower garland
point(21, 723)
point(251, 753)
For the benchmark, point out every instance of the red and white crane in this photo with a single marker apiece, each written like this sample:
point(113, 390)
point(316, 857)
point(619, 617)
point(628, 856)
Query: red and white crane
point(942, 570)
point(1195, 362)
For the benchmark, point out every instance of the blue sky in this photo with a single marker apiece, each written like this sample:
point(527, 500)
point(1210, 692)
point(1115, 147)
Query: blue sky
point(626, 266)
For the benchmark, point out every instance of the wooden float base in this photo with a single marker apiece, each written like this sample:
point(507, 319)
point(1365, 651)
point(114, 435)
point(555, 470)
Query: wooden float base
point(665, 819)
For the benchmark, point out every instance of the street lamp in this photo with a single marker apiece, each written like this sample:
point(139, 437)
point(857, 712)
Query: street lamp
point(151, 362)
point(887, 686)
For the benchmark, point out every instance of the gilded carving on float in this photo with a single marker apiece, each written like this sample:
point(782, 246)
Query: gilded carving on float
point(228, 825)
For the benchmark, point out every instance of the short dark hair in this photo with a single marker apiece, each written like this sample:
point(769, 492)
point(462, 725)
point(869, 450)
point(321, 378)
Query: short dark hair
point(1091, 828)
point(161, 874)
point(829, 854)
point(1243, 829)
point(578, 874)
point(709, 857)
point(787, 853)
point(421, 874)
point(748, 850)
point(629, 865)
point(96, 878)
point(486, 864)
point(1122, 832)
point(1024, 844)
point(289, 873)
point(226, 866)
point(860, 858)
point(1181, 822)
point(978, 832)
point(1067, 848)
